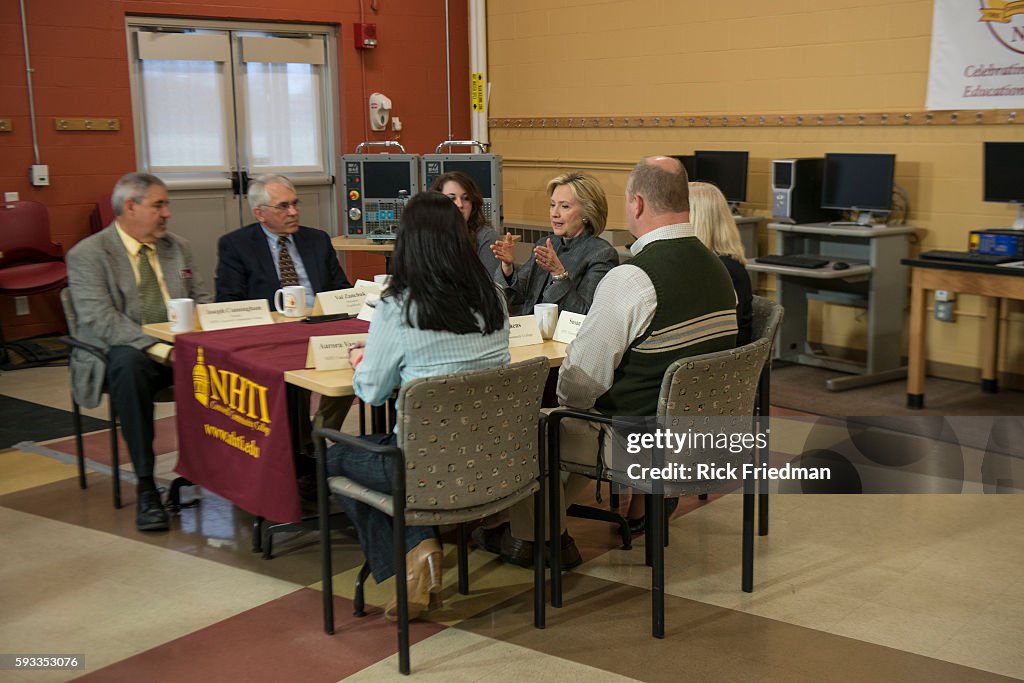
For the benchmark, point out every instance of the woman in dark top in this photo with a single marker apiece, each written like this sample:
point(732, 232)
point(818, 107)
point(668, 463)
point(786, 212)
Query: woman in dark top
point(461, 189)
point(565, 267)
point(716, 228)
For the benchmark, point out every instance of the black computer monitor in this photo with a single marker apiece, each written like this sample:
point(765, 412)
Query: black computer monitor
point(479, 171)
point(858, 182)
point(725, 170)
point(1004, 176)
point(1004, 172)
point(386, 179)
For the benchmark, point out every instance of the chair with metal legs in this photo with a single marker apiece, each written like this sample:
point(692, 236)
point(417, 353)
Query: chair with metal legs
point(765, 325)
point(721, 386)
point(76, 411)
point(163, 396)
point(468, 447)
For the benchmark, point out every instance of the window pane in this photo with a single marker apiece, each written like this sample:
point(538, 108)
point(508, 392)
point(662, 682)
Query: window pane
point(283, 112)
point(184, 110)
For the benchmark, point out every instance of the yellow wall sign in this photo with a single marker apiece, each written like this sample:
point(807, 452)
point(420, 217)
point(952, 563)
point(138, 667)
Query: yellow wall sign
point(478, 96)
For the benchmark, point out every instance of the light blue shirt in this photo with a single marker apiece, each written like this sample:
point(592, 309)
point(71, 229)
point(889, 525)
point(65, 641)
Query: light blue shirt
point(396, 352)
point(300, 267)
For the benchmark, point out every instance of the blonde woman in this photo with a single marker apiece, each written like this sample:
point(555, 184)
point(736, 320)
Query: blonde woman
point(716, 228)
point(565, 267)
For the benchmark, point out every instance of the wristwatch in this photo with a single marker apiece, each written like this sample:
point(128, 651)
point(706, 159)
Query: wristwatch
point(564, 275)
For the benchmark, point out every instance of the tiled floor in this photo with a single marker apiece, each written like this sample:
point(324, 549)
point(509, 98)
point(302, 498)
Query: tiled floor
point(869, 587)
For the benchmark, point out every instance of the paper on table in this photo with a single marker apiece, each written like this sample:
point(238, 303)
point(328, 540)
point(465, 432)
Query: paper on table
point(231, 314)
point(366, 312)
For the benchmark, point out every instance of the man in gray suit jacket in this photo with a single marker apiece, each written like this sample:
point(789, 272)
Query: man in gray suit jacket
point(120, 278)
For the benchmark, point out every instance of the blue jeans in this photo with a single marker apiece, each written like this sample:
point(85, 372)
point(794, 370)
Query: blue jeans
point(375, 529)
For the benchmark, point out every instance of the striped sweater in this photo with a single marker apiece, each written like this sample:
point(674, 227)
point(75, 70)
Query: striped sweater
point(696, 314)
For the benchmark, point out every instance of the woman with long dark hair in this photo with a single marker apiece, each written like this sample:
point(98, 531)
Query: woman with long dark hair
point(440, 313)
point(461, 189)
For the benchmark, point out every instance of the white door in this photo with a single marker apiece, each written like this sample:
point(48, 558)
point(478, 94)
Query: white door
point(217, 105)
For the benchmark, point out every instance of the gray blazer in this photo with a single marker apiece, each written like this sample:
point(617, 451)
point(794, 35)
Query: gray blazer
point(586, 258)
point(105, 297)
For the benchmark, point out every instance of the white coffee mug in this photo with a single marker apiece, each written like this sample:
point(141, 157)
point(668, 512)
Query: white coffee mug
point(291, 301)
point(547, 318)
point(181, 314)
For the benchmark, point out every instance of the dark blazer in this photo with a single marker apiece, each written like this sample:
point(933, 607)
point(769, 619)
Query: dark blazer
point(586, 257)
point(246, 269)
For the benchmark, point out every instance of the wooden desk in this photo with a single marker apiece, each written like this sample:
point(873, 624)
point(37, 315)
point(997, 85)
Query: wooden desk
point(342, 243)
point(362, 244)
point(991, 282)
point(162, 331)
point(339, 382)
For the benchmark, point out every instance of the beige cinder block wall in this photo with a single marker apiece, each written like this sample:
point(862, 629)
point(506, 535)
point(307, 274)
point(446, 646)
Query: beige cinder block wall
point(600, 59)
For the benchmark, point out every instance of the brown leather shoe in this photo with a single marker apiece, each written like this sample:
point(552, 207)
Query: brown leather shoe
point(490, 539)
point(519, 552)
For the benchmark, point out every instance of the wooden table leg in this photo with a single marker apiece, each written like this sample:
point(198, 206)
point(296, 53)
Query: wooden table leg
point(990, 346)
point(916, 351)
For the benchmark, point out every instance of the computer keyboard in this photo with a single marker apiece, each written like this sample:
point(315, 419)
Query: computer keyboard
point(965, 257)
point(793, 261)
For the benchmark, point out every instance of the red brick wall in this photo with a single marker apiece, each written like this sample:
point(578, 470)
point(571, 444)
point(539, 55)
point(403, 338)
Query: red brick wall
point(78, 51)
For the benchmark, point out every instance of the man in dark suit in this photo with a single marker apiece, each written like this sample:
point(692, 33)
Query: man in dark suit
point(255, 261)
point(120, 279)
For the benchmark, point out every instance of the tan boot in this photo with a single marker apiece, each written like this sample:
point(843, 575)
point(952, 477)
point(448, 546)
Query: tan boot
point(423, 564)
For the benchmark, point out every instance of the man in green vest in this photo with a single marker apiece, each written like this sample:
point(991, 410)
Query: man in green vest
point(674, 299)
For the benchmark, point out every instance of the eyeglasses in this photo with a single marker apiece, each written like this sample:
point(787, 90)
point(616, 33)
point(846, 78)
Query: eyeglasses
point(283, 206)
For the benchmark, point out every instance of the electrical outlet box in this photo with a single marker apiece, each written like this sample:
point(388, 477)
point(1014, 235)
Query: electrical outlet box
point(21, 305)
point(11, 196)
point(944, 311)
point(39, 174)
point(944, 295)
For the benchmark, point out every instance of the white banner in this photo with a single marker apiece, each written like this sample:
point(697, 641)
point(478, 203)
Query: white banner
point(977, 57)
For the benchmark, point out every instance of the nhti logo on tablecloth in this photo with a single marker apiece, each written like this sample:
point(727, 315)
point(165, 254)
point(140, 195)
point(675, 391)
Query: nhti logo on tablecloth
point(229, 393)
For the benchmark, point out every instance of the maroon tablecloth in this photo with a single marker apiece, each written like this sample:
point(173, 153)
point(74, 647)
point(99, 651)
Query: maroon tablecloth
point(233, 420)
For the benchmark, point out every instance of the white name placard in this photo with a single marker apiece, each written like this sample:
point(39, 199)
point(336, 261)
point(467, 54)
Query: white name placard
point(231, 314)
point(342, 301)
point(568, 326)
point(331, 352)
point(523, 331)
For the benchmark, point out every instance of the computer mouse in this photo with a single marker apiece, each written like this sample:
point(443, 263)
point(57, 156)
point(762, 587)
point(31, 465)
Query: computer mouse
point(840, 265)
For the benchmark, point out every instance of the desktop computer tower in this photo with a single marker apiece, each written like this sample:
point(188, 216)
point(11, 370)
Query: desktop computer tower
point(796, 191)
